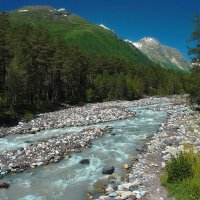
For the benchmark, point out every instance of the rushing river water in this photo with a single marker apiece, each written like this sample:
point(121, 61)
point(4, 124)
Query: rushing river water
point(69, 180)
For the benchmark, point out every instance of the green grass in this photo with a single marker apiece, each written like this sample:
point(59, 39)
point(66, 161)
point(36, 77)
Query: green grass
point(183, 190)
point(186, 187)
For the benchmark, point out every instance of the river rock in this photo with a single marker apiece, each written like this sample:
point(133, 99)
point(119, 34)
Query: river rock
point(132, 197)
point(28, 141)
point(136, 183)
point(125, 195)
point(85, 161)
point(139, 148)
point(113, 194)
point(108, 169)
point(4, 185)
point(126, 166)
point(73, 116)
point(150, 156)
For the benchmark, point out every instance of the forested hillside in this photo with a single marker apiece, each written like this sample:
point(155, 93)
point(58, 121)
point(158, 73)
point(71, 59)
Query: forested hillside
point(77, 31)
point(38, 68)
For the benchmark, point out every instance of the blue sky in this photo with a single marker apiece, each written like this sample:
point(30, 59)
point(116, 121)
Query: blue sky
point(169, 21)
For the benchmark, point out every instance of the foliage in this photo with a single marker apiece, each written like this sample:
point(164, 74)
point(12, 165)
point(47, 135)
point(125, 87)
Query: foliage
point(28, 116)
point(41, 68)
point(194, 90)
point(89, 95)
point(183, 179)
point(4, 50)
point(179, 168)
point(77, 31)
point(8, 116)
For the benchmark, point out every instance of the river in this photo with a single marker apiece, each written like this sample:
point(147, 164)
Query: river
point(69, 180)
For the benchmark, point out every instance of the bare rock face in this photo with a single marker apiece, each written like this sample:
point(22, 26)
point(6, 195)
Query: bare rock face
point(164, 55)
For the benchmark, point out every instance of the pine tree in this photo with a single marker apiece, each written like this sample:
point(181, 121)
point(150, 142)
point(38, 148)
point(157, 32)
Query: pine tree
point(60, 56)
point(40, 71)
point(74, 75)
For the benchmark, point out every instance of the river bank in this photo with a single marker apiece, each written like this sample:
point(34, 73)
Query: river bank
point(55, 148)
point(144, 175)
point(48, 151)
point(144, 116)
point(73, 116)
point(85, 115)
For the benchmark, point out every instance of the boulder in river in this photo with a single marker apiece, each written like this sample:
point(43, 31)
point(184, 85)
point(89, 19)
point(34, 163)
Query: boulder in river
point(85, 161)
point(126, 166)
point(108, 169)
point(132, 197)
point(28, 141)
point(140, 148)
point(4, 185)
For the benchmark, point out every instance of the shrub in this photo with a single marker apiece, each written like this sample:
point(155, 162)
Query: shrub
point(182, 177)
point(28, 116)
point(179, 168)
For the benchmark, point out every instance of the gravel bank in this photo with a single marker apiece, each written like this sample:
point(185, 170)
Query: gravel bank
point(75, 116)
point(48, 151)
point(182, 126)
point(85, 115)
point(143, 175)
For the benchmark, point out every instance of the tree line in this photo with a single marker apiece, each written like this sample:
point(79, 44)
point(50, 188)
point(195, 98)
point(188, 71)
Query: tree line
point(36, 67)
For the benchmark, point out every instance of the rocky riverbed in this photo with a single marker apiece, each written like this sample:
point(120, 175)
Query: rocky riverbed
point(84, 115)
point(74, 116)
point(55, 148)
point(48, 151)
point(143, 182)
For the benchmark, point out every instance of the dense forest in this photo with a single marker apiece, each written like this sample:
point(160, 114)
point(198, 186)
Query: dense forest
point(36, 68)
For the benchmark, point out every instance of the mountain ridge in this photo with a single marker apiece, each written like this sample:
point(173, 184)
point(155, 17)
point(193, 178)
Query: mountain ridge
point(164, 55)
point(99, 39)
point(75, 30)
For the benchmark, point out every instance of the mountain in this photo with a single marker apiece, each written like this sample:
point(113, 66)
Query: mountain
point(77, 31)
point(166, 56)
point(105, 27)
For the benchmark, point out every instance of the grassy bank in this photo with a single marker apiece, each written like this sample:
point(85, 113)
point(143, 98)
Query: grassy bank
point(182, 175)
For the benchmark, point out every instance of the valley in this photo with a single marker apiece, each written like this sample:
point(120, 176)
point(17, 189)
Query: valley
point(86, 114)
point(115, 144)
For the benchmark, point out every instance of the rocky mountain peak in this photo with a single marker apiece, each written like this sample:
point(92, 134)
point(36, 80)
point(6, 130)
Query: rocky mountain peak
point(149, 40)
point(164, 55)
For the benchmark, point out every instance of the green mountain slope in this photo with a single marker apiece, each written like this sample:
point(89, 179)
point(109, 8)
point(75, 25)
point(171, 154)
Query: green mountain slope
point(75, 30)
